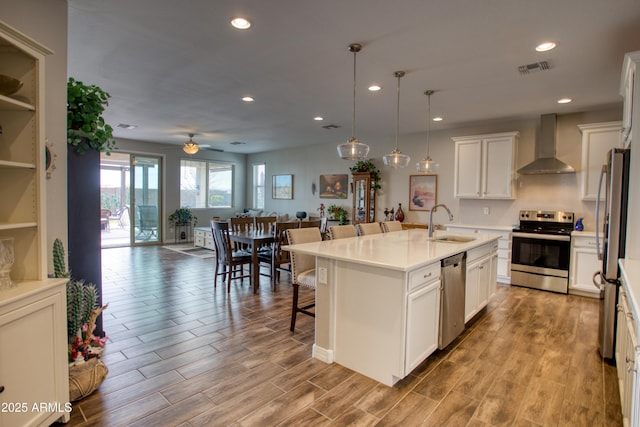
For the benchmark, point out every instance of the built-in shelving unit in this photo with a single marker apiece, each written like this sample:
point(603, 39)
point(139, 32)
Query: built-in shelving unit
point(36, 304)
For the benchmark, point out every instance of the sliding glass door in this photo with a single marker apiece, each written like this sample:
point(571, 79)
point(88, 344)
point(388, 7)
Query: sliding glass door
point(130, 202)
point(146, 199)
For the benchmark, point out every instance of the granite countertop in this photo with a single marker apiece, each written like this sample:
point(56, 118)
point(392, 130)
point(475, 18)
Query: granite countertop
point(399, 250)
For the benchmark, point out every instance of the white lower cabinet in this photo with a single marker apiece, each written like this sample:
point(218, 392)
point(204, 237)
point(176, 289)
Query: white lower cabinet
point(34, 377)
point(503, 260)
point(627, 355)
point(423, 310)
point(584, 263)
point(479, 281)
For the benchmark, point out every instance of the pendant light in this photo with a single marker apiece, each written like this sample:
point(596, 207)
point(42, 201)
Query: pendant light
point(396, 159)
point(353, 149)
point(427, 165)
point(190, 147)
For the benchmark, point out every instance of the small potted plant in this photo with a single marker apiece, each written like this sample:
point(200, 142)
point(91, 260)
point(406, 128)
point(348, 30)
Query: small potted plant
point(86, 128)
point(338, 213)
point(86, 370)
point(182, 216)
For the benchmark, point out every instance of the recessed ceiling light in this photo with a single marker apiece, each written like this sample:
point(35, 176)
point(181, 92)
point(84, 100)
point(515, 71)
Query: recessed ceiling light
point(375, 88)
point(564, 100)
point(437, 119)
point(241, 23)
point(543, 47)
point(247, 99)
point(318, 118)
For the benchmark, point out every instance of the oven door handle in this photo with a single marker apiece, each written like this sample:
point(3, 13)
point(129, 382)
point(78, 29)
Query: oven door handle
point(542, 236)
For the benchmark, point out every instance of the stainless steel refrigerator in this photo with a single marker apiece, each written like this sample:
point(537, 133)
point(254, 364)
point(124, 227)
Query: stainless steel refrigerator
point(614, 182)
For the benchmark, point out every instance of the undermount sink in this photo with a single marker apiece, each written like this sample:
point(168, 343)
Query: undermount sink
point(453, 239)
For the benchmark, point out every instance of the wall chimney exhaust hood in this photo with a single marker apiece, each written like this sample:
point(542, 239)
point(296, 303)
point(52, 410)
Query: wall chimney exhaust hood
point(546, 161)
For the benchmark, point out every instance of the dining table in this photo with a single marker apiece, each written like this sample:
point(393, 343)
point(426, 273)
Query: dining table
point(255, 239)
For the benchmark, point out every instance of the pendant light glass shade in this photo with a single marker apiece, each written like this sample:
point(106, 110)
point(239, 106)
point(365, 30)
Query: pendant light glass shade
point(353, 149)
point(396, 159)
point(190, 147)
point(427, 165)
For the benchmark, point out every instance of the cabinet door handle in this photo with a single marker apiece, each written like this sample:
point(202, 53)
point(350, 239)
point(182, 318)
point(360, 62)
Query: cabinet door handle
point(1, 388)
point(426, 275)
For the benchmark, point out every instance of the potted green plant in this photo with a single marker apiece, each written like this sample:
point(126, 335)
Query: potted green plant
point(338, 213)
point(182, 216)
point(86, 128)
point(368, 166)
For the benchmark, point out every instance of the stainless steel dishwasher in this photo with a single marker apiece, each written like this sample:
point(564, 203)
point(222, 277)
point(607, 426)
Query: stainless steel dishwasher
point(454, 273)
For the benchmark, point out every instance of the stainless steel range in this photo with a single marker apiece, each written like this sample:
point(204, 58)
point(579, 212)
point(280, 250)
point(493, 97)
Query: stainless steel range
point(541, 249)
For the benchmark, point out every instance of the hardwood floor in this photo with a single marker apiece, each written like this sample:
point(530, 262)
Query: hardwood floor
point(182, 353)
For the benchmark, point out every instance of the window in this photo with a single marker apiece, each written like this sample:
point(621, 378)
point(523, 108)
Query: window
point(206, 184)
point(258, 186)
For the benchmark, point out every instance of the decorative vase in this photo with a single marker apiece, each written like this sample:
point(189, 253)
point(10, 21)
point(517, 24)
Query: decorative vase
point(400, 213)
point(6, 261)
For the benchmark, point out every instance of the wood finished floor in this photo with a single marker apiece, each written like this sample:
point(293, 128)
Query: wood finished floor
point(182, 353)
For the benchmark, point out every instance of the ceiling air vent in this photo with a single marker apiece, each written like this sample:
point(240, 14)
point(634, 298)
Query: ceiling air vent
point(237, 143)
point(330, 127)
point(533, 67)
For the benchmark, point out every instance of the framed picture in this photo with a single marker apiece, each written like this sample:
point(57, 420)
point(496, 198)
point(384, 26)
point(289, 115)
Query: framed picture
point(334, 186)
point(422, 192)
point(282, 187)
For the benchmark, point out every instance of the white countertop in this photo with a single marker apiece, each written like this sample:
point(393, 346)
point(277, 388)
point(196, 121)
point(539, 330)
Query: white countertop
point(483, 227)
point(585, 233)
point(630, 271)
point(399, 250)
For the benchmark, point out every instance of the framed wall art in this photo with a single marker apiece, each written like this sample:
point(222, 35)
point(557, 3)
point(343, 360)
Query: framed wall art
point(334, 186)
point(282, 187)
point(422, 192)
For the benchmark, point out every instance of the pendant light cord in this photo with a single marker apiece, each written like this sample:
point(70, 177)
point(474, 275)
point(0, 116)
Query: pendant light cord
point(398, 75)
point(353, 117)
point(429, 92)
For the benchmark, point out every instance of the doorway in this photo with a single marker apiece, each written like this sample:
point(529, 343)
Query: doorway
point(130, 202)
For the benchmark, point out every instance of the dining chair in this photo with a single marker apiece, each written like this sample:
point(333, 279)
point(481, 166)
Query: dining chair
point(364, 229)
point(303, 269)
point(226, 256)
point(388, 226)
point(342, 231)
point(278, 259)
point(241, 225)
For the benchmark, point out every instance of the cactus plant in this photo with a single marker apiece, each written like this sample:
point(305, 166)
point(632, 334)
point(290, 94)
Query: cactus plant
point(59, 266)
point(82, 299)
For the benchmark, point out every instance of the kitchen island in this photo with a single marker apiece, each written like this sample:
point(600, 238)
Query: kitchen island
point(378, 297)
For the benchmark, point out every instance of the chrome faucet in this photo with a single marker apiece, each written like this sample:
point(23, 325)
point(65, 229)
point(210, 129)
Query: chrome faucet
point(431, 217)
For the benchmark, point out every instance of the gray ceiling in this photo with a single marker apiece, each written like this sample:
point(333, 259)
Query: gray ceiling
point(175, 67)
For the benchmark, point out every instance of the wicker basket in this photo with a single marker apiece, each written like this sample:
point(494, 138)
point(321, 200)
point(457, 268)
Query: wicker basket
point(85, 378)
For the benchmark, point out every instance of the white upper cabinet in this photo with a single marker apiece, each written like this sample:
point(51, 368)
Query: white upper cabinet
point(597, 140)
point(485, 166)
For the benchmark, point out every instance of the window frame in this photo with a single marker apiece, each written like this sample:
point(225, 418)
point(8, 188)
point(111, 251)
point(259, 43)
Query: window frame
point(207, 165)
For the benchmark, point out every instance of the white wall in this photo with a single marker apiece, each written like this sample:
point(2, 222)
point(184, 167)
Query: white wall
point(550, 192)
point(46, 22)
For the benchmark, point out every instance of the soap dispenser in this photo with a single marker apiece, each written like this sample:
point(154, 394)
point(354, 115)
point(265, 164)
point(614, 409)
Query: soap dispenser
point(579, 225)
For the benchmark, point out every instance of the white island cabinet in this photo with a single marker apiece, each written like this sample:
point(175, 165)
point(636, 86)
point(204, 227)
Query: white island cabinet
point(502, 262)
point(627, 351)
point(378, 310)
